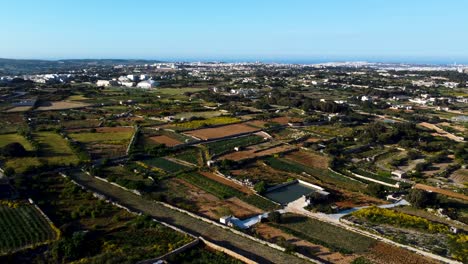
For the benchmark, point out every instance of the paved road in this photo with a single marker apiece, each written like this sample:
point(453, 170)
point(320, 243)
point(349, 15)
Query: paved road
point(242, 245)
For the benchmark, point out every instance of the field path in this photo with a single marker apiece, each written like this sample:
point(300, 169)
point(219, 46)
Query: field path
point(242, 245)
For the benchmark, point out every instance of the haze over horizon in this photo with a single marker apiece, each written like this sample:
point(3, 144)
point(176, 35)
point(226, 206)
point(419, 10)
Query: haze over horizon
point(269, 31)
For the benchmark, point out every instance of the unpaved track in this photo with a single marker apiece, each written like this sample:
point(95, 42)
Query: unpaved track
point(242, 245)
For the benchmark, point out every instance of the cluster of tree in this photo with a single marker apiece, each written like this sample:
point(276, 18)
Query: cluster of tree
point(14, 149)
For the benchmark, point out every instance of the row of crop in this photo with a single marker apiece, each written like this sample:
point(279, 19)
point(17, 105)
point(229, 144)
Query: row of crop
point(166, 165)
point(22, 226)
point(322, 175)
point(228, 145)
point(220, 190)
point(190, 155)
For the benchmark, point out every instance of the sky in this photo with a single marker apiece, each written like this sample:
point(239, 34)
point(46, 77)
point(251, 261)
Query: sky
point(236, 30)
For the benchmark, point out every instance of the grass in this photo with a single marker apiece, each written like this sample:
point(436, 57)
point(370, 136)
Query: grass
point(178, 91)
point(217, 189)
point(221, 120)
point(166, 165)
point(325, 234)
point(54, 149)
point(6, 139)
point(224, 146)
point(331, 130)
point(112, 138)
point(21, 225)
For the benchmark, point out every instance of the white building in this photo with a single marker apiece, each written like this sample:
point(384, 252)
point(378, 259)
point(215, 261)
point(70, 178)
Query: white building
point(127, 84)
point(106, 83)
point(147, 84)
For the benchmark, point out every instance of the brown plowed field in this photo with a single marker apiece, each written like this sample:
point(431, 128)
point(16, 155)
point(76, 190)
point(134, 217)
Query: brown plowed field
point(168, 141)
point(441, 191)
point(308, 159)
point(222, 131)
point(252, 152)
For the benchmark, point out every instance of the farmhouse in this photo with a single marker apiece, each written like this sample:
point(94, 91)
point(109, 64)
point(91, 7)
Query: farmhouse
point(399, 173)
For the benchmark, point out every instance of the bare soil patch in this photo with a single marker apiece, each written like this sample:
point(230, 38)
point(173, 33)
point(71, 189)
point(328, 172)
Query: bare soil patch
point(441, 191)
point(253, 152)
point(383, 253)
point(272, 234)
point(309, 159)
point(163, 139)
point(222, 131)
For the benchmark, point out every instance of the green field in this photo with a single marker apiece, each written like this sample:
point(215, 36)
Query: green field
point(191, 155)
point(221, 120)
point(224, 146)
point(217, 189)
point(54, 149)
point(166, 165)
point(325, 234)
point(178, 91)
point(113, 138)
point(21, 225)
point(6, 139)
point(320, 174)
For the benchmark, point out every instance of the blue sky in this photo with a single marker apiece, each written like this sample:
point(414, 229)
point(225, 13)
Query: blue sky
point(236, 29)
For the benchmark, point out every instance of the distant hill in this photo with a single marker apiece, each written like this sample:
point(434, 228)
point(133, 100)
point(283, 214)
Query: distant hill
point(18, 67)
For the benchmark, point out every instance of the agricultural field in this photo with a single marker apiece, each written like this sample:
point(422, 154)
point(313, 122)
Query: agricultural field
point(412, 230)
point(323, 176)
point(165, 140)
point(60, 105)
point(257, 151)
point(6, 139)
point(223, 191)
point(202, 254)
point(310, 159)
point(217, 189)
point(222, 131)
point(201, 114)
point(325, 234)
point(104, 142)
point(11, 122)
point(165, 165)
point(96, 231)
point(191, 155)
point(54, 149)
point(228, 145)
point(22, 226)
point(214, 121)
point(257, 172)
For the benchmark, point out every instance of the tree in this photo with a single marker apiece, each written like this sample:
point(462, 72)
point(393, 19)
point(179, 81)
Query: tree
point(274, 217)
point(14, 149)
point(260, 187)
point(420, 198)
point(376, 190)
